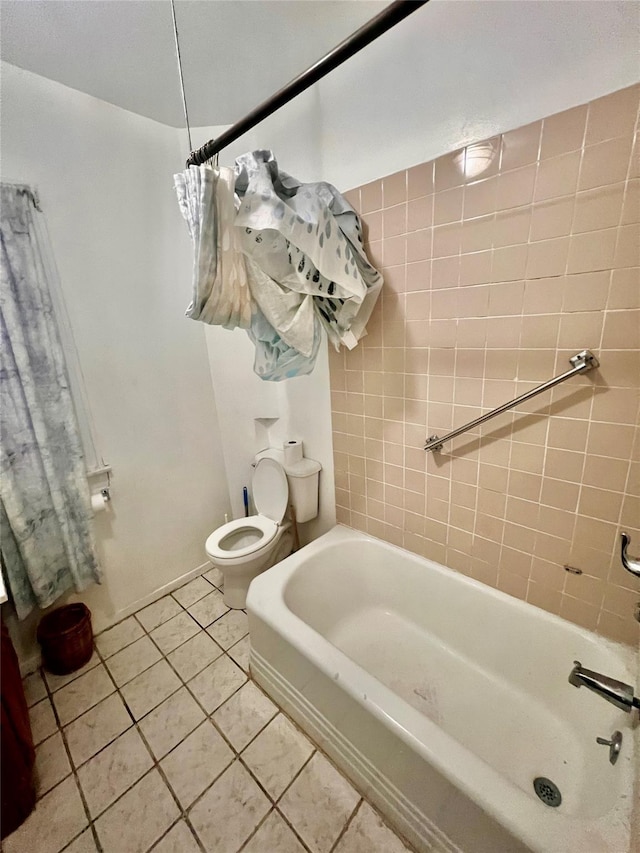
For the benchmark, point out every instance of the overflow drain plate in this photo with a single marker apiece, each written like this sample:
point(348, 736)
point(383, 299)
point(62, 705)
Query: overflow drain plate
point(547, 791)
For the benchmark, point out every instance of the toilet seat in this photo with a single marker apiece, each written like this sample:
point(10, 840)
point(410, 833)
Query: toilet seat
point(270, 489)
point(254, 524)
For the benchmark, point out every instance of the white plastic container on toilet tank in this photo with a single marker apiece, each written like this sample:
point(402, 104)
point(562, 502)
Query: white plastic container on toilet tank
point(303, 478)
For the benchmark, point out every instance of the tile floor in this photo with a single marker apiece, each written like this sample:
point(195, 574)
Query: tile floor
point(163, 742)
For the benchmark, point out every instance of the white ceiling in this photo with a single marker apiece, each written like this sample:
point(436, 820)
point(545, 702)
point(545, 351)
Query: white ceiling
point(235, 53)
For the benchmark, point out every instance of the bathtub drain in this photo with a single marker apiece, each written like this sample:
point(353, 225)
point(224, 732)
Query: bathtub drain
point(547, 791)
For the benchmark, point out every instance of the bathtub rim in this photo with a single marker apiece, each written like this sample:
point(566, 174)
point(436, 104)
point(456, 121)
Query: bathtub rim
point(266, 601)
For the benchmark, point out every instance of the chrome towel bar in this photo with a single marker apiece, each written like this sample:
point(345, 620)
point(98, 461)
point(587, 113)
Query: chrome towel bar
point(581, 362)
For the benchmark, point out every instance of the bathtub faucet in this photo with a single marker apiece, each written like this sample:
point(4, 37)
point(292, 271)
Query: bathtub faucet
point(616, 692)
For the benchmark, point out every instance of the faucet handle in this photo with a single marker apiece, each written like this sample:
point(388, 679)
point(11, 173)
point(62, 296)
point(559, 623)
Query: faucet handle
point(631, 564)
point(615, 745)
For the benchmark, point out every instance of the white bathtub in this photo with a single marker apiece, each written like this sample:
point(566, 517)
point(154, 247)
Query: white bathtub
point(442, 699)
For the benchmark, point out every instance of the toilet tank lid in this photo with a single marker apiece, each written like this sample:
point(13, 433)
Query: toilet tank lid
point(304, 468)
point(270, 489)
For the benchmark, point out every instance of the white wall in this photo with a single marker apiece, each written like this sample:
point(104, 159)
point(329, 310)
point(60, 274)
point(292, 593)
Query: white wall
point(253, 413)
point(122, 249)
point(459, 71)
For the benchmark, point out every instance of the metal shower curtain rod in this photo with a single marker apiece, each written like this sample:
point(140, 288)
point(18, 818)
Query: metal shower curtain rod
point(389, 17)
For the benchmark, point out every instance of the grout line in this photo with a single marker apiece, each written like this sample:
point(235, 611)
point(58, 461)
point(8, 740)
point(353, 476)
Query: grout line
point(347, 824)
point(74, 773)
point(157, 765)
point(238, 755)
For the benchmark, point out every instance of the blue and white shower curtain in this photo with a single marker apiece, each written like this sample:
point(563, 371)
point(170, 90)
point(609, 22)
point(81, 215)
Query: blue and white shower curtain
point(300, 265)
point(45, 507)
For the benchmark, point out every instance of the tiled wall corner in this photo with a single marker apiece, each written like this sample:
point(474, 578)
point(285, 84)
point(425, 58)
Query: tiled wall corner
point(501, 260)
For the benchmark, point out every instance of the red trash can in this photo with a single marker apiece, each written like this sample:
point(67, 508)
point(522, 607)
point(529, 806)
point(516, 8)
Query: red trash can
point(66, 638)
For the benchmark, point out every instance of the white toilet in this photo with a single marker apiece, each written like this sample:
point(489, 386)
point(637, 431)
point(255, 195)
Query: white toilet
point(245, 547)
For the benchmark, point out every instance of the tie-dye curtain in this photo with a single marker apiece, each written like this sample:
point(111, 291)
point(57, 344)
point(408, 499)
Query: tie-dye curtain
point(290, 255)
point(45, 508)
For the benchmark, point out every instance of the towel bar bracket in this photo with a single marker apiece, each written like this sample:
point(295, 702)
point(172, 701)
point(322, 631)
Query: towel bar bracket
point(584, 360)
point(581, 362)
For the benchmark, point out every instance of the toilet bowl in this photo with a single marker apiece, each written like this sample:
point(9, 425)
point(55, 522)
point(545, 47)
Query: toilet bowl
point(245, 547)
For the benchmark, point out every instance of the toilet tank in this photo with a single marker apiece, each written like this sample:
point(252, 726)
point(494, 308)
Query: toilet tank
point(303, 479)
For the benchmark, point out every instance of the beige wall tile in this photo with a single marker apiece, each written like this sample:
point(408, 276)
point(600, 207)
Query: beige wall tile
point(606, 473)
point(420, 180)
point(524, 485)
point(619, 600)
point(371, 196)
point(627, 252)
point(634, 165)
point(394, 250)
point(447, 206)
point(546, 572)
point(394, 189)
point(613, 115)
point(598, 503)
point(543, 296)
point(580, 612)
point(512, 584)
point(444, 304)
point(420, 213)
point(536, 365)
point(493, 279)
point(480, 198)
point(605, 163)
point(394, 220)
point(372, 226)
point(598, 209)
point(622, 630)
point(557, 176)
point(564, 465)
point(621, 330)
point(593, 251)
point(418, 245)
point(544, 597)
point(613, 440)
point(563, 132)
point(516, 562)
point(621, 368)
point(449, 171)
point(539, 332)
point(631, 206)
point(512, 227)
point(580, 329)
point(445, 272)
point(552, 218)
point(616, 405)
point(478, 234)
point(446, 240)
point(353, 197)
point(515, 188)
point(527, 457)
point(586, 291)
point(630, 515)
point(509, 263)
point(520, 147)
point(476, 268)
point(418, 274)
point(560, 494)
point(519, 537)
point(547, 258)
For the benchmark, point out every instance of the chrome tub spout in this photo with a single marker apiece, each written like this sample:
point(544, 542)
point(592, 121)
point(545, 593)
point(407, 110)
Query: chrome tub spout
point(617, 692)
